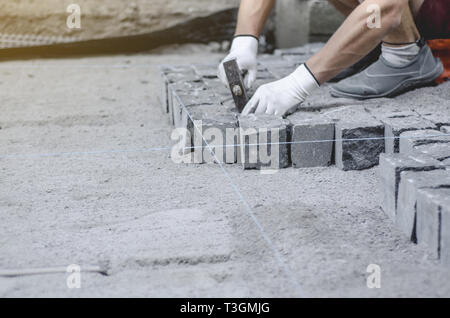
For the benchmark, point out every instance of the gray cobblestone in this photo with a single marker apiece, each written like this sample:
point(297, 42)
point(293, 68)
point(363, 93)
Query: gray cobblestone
point(187, 98)
point(445, 232)
point(312, 136)
point(220, 130)
point(431, 204)
point(359, 144)
point(391, 166)
point(438, 151)
point(399, 122)
point(438, 114)
point(410, 183)
point(411, 139)
point(263, 142)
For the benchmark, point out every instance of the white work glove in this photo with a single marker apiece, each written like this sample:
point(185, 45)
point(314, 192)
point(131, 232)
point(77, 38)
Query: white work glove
point(244, 49)
point(277, 98)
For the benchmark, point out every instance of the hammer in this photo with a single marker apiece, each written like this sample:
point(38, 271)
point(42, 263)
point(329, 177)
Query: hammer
point(236, 84)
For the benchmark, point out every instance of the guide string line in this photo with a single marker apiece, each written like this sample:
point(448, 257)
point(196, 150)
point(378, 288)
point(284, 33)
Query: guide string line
point(168, 148)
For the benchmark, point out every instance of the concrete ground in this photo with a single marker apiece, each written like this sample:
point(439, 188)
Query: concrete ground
point(82, 183)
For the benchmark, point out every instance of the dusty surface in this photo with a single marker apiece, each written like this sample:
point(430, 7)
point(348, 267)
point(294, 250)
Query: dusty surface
point(102, 18)
point(82, 182)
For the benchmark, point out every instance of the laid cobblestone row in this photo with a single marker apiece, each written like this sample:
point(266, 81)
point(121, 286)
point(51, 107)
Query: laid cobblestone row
point(323, 131)
point(415, 187)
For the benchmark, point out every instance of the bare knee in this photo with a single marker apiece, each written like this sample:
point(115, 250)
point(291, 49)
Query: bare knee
point(391, 12)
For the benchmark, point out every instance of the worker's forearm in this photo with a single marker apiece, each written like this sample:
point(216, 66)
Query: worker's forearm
point(253, 15)
point(354, 39)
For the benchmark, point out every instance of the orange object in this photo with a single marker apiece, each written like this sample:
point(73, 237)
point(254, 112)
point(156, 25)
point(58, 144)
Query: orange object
point(441, 49)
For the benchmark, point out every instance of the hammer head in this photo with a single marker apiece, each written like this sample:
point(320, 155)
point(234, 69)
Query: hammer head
point(236, 84)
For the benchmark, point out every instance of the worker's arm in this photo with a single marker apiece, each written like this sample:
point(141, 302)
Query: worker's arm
point(251, 19)
point(253, 15)
point(356, 37)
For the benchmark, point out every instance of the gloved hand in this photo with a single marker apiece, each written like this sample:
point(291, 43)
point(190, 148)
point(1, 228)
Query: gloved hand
point(277, 98)
point(244, 49)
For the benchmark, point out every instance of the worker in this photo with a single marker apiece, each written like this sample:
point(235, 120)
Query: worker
point(406, 61)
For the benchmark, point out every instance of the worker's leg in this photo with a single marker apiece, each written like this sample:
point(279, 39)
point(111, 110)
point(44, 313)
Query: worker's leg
point(346, 7)
point(355, 38)
point(398, 45)
point(406, 32)
point(401, 45)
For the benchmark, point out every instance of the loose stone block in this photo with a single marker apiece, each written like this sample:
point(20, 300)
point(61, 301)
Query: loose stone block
point(410, 183)
point(411, 139)
point(390, 169)
point(359, 144)
point(395, 125)
point(431, 204)
point(312, 137)
point(263, 142)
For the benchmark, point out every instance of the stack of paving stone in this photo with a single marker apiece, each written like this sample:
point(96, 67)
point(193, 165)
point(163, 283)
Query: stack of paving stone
point(322, 132)
point(415, 177)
